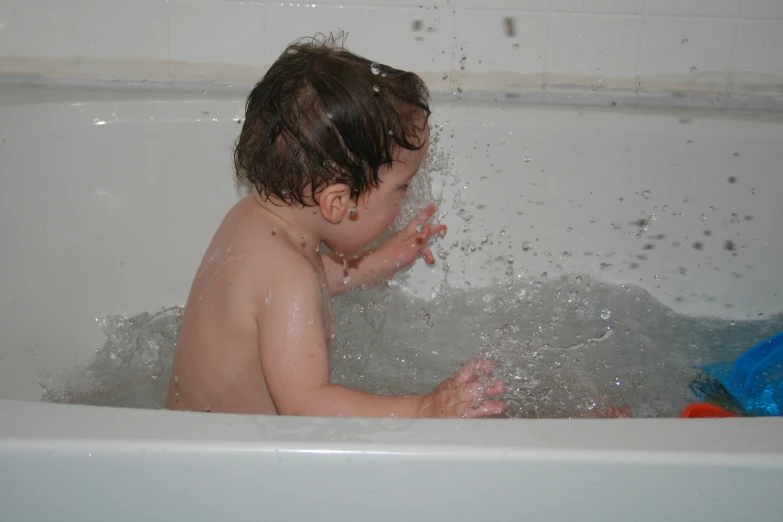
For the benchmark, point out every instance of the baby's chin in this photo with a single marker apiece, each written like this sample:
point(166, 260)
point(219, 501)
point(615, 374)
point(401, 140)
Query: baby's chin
point(347, 251)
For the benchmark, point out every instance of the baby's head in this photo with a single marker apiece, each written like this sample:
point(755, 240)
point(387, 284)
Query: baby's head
point(328, 129)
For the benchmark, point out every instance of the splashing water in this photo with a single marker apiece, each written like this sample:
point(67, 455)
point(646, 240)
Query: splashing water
point(553, 345)
point(551, 342)
point(133, 367)
point(563, 346)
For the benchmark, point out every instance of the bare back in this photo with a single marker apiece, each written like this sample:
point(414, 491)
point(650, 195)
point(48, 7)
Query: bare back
point(217, 365)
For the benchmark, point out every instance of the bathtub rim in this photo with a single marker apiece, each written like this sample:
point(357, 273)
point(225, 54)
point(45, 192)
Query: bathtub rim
point(736, 442)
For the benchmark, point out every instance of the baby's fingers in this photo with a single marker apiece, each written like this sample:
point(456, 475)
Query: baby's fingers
point(428, 257)
point(426, 213)
point(471, 391)
point(472, 370)
point(438, 229)
point(497, 388)
point(487, 409)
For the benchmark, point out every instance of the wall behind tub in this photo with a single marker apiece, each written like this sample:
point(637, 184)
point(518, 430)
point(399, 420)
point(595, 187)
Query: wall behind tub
point(700, 47)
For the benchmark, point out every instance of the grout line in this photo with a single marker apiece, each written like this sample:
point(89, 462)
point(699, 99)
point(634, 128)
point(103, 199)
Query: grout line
point(171, 46)
point(637, 76)
point(730, 82)
point(77, 60)
point(545, 71)
point(452, 70)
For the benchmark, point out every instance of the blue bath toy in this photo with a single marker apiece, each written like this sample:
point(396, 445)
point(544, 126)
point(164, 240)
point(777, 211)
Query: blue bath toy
point(754, 380)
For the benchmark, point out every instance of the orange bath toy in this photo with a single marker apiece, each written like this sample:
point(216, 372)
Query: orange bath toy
point(702, 410)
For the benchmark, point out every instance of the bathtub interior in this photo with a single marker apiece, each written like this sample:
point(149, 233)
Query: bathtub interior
point(110, 197)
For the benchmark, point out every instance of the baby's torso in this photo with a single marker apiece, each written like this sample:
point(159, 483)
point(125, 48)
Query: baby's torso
point(217, 365)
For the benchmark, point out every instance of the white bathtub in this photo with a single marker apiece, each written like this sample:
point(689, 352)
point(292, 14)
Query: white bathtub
point(109, 197)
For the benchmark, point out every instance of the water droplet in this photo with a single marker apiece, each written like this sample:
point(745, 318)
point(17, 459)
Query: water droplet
point(376, 88)
point(646, 194)
point(304, 236)
point(752, 191)
point(527, 160)
point(398, 264)
point(569, 229)
point(207, 409)
point(605, 313)
point(375, 67)
point(509, 270)
point(694, 70)
point(566, 255)
point(329, 115)
point(391, 132)
point(345, 264)
point(274, 230)
point(544, 276)
point(419, 227)
point(702, 217)
point(510, 260)
point(606, 266)
point(515, 46)
point(346, 280)
point(526, 246)
point(684, 41)
point(268, 297)
point(665, 208)
point(736, 154)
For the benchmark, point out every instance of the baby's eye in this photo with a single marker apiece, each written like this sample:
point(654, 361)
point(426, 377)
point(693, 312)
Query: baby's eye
point(404, 188)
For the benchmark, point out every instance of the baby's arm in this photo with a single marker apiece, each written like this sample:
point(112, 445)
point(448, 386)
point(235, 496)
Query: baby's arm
point(295, 362)
point(366, 269)
point(399, 252)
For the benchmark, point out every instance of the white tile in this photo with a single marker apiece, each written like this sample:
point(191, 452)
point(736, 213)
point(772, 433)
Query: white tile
point(418, 40)
point(41, 34)
point(599, 6)
point(286, 23)
point(763, 9)
point(211, 39)
point(517, 5)
point(760, 47)
point(485, 44)
point(122, 40)
point(41, 29)
point(593, 47)
point(705, 8)
point(672, 46)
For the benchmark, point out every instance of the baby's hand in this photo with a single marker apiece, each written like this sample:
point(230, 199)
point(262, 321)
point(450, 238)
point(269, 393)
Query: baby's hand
point(456, 396)
point(402, 249)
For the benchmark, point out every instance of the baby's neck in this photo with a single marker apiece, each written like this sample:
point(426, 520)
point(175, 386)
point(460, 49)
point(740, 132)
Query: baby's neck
point(302, 224)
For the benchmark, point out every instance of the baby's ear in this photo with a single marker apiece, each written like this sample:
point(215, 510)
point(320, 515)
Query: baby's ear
point(335, 201)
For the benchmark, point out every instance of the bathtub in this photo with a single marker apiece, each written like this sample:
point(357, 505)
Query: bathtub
point(110, 195)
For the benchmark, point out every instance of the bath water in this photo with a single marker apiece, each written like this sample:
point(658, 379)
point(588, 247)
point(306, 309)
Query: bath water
point(564, 346)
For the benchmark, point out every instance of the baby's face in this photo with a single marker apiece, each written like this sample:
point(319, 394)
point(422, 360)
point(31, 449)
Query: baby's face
point(378, 208)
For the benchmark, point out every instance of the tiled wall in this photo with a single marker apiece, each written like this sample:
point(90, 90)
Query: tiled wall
point(701, 46)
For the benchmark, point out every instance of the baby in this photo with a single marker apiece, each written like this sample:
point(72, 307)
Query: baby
point(330, 142)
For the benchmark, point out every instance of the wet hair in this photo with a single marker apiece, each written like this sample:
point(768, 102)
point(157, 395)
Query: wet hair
point(322, 115)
